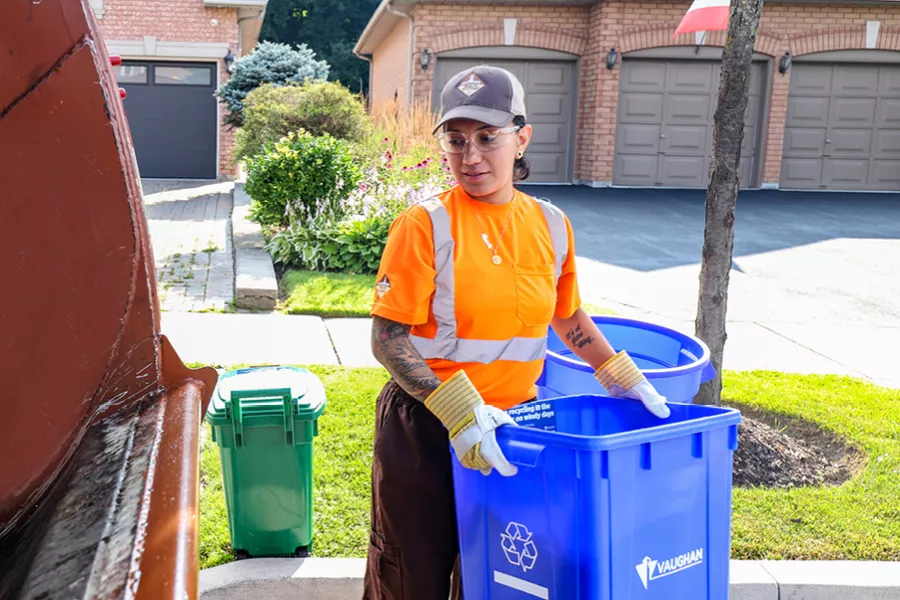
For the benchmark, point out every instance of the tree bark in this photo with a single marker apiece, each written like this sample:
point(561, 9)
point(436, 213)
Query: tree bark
point(721, 196)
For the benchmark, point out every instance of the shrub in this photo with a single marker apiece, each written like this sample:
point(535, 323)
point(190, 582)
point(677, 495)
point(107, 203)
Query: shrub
point(299, 176)
point(269, 63)
point(271, 112)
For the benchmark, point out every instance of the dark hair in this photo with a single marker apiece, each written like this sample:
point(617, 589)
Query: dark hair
point(521, 167)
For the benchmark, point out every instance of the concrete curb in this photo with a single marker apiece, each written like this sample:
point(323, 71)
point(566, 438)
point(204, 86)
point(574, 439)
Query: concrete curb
point(341, 579)
point(255, 285)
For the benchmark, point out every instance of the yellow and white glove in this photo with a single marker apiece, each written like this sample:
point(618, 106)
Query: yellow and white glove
point(471, 424)
point(622, 379)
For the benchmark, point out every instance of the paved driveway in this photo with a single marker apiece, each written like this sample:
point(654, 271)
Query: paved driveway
point(820, 269)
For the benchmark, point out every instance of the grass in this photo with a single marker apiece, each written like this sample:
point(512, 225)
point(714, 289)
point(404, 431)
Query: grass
point(326, 294)
point(342, 462)
point(859, 520)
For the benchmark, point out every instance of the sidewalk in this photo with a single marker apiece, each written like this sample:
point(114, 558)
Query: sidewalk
point(227, 339)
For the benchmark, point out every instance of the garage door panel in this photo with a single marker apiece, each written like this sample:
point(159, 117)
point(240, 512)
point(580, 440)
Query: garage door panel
point(638, 139)
point(642, 108)
point(852, 112)
point(548, 107)
point(749, 142)
point(889, 82)
point(888, 113)
point(745, 171)
point(690, 77)
point(688, 108)
point(802, 172)
point(643, 76)
point(687, 171)
point(686, 140)
point(542, 77)
point(804, 142)
point(845, 173)
point(811, 80)
point(885, 175)
point(886, 144)
point(549, 137)
point(808, 112)
point(855, 80)
point(633, 169)
point(847, 142)
point(545, 165)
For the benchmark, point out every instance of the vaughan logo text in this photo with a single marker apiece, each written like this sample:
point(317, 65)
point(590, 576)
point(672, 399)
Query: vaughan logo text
point(649, 569)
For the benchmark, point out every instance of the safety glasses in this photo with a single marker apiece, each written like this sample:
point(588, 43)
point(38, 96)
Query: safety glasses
point(484, 140)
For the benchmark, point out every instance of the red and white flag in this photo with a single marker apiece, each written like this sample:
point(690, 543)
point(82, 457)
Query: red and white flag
point(705, 15)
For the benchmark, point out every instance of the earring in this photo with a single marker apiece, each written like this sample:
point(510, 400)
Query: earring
point(519, 154)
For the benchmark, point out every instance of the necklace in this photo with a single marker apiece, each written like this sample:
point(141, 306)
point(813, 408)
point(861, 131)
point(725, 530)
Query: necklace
point(484, 236)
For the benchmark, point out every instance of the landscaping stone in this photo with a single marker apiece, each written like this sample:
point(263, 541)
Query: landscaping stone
point(256, 286)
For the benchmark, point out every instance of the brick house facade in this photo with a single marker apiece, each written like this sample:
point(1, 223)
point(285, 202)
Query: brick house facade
point(647, 121)
point(183, 43)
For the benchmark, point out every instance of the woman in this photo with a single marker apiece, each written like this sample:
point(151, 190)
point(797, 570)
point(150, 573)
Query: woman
point(468, 284)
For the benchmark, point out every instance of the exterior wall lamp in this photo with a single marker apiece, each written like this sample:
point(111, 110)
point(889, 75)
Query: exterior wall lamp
point(611, 59)
point(425, 59)
point(785, 63)
point(229, 62)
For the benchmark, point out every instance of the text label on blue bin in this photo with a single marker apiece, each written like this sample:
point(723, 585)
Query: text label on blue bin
point(537, 415)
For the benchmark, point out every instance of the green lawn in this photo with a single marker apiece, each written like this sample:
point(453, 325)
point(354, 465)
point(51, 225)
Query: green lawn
point(856, 521)
point(341, 295)
point(326, 294)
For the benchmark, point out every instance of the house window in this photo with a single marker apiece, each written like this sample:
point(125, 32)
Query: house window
point(183, 75)
point(131, 73)
point(97, 5)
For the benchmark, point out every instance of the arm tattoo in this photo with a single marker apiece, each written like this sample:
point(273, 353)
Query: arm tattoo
point(577, 337)
point(392, 347)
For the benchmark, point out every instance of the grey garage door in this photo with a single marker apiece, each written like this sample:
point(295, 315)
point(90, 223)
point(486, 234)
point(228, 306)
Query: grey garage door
point(173, 119)
point(549, 99)
point(843, 128)
point(664, 133)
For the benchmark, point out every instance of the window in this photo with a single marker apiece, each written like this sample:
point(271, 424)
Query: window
point(183, 75)
point(130, 73)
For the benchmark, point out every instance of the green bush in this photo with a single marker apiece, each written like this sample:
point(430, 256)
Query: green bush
point(349, 246)
point(299, 176)
point(268, 63)
point(271, 112)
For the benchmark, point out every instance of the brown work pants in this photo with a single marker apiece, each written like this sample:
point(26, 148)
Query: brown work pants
point(413, 544)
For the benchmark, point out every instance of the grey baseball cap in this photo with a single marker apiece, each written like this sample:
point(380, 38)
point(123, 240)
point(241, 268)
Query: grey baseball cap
point(484, 93)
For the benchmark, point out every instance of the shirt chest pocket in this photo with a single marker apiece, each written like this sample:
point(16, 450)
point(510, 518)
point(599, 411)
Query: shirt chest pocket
point(535, 294)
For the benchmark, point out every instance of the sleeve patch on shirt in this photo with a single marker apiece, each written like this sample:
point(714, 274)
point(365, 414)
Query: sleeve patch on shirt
point(383, 286)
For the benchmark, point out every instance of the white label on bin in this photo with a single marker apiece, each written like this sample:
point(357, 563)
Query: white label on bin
point(649, 570)
point(518, 546)
point(538, 591)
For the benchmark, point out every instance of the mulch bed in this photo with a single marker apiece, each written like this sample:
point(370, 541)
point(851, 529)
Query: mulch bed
point(780, 452)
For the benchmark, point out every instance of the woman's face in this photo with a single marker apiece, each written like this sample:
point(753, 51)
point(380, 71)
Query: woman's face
point(484, 168)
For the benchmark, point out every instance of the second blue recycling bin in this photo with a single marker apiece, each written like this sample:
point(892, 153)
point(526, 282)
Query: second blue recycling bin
point(676, 364)
point(609, 503)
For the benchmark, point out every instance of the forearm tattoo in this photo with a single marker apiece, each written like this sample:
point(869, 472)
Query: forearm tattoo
point(392, 347)
point(577, 337)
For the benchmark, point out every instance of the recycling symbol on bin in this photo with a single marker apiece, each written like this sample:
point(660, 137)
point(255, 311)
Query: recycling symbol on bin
point(518, 547)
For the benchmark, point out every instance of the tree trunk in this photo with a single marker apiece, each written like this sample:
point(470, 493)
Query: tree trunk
point(721, 196)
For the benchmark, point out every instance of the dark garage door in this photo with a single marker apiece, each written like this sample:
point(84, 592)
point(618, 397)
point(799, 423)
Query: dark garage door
point(664, 134)
point(172, 115)
point(843, 128)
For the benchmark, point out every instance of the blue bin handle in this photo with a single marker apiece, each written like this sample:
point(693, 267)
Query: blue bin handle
point(708, 373)
point(236, 413)
point(523, 454)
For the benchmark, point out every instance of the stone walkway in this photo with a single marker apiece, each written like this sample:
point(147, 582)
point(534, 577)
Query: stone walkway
point(191, 232)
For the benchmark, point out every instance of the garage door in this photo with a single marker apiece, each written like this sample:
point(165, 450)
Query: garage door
point(173, 117)
point(549, 99)
point(664, 133)
point(843, 128)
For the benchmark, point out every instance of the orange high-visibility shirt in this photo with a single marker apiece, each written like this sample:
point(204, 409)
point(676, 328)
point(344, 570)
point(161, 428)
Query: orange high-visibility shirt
point(516, 298)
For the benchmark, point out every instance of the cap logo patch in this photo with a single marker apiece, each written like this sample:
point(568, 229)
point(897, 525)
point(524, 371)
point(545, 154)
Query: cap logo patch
point(471, 85)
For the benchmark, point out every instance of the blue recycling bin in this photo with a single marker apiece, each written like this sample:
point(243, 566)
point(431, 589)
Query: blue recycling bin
point(609, 503)
point(676, 364)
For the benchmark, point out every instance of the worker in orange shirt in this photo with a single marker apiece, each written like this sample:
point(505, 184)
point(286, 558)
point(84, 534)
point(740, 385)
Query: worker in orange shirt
point(468, 284)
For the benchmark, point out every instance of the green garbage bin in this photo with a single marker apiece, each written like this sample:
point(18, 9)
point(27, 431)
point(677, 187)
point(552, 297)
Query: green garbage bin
point(264, 420)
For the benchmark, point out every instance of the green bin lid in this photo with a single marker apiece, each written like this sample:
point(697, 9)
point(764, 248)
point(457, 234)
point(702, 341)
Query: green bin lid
point(305, 388)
